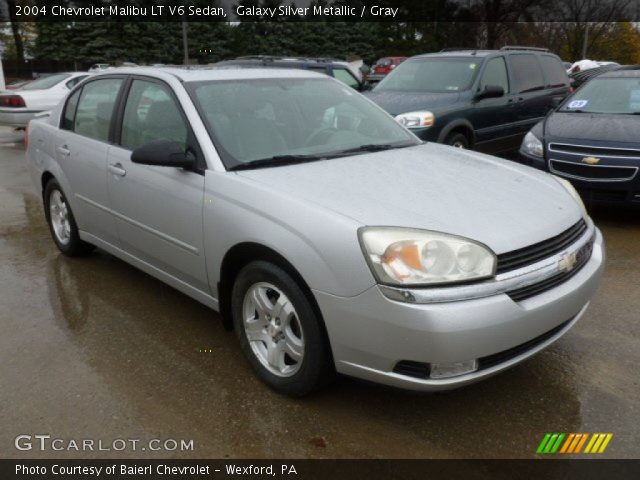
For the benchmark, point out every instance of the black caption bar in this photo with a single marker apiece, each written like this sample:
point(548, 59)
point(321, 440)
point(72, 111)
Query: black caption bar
point(319, 469)
point(504, 11)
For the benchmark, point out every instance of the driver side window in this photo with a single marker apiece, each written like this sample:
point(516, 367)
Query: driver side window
point(495, 73)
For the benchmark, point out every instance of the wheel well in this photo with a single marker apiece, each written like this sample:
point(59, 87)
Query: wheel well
point(46, 176)
point(466, 131)
point(241, 255)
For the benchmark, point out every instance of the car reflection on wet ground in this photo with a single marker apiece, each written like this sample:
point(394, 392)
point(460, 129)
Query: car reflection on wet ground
point(93, 348)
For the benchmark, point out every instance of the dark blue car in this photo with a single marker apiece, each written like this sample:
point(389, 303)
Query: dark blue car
point(481, 99)
point(593, 139)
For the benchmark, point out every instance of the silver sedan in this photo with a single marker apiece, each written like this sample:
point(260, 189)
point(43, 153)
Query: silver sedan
point(327, 235)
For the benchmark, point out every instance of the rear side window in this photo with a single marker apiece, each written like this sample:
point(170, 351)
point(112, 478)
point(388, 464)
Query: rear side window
point(495, 73)
point(554, 71)
point(150, 114)
point(70, 111)
point(346, 77)
point(527, 74)
point(95, 108)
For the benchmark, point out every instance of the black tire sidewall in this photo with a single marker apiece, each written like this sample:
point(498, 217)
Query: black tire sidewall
point(75, 246)
point(315, 368)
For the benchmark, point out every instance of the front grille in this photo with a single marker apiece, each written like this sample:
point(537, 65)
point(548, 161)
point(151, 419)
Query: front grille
point(534, 253)
point(582, 257)
point(586, 150)
point(506, 355)
point(593, 172)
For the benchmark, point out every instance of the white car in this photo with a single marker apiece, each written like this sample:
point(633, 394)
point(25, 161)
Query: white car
point(100, 67)
point(17, 107)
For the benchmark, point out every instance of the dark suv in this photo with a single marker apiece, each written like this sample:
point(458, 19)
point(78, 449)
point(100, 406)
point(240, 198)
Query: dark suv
point(338, 69)
point(482, 99)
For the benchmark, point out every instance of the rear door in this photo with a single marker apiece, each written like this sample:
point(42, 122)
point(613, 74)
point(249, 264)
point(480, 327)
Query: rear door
point(531, 100)
point(493, 119)
point(158, 210)
point(557, 81)
point(81, 148)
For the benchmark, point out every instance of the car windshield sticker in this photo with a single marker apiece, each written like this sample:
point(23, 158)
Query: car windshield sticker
point(578, 104)
point(634, 100)
point(472, 66)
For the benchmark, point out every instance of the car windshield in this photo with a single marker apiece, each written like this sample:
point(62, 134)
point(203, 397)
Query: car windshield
point(302, 119)
point(606, 95)
point(46, 82)
point(431, 75)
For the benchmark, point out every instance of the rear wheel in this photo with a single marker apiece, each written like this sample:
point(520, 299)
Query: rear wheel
point(457, 140)
point(279, 331)
point(62, 223)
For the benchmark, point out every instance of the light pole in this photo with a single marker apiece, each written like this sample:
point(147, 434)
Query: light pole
point(185, 43)
point(585, 40)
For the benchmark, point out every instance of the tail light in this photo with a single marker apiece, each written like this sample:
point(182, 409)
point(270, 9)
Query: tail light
point(12, 101)
point(571, 90)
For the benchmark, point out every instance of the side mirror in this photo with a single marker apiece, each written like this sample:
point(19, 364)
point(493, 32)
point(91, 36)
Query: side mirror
point(164, 153)
point(490, 91)
point(555, 102)
point(364, 86)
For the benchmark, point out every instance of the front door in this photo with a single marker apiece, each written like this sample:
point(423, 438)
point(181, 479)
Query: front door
point(158, 210)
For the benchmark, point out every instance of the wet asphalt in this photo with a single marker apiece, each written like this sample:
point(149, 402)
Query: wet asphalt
point(92, 348)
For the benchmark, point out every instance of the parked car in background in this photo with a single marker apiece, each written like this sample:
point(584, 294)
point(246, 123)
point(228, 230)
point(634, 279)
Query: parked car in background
point(329, 237)
point(593, 139)
point(21, 105)
point(338, 69)
point(99, 67)
point(481, 99)
point(384, 66)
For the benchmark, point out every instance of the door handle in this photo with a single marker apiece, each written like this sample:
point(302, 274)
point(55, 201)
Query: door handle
point(64, 150)
point(117, 170)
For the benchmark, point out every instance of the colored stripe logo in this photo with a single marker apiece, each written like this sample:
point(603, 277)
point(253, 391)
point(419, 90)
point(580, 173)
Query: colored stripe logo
point(574, 443)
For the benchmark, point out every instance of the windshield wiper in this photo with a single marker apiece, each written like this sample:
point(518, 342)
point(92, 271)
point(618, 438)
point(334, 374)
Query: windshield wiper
point(373, 147)
point(276, 161)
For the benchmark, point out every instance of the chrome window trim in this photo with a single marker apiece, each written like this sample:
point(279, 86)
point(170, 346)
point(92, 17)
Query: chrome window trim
point(503, 283)
point(589, 179)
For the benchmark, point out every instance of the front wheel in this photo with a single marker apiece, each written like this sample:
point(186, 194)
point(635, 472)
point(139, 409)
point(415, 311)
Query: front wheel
point(457, 140)
point(62, 223)
point(279, 330)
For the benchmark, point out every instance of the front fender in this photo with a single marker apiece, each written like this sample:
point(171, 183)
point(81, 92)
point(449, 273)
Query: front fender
point(320, 244)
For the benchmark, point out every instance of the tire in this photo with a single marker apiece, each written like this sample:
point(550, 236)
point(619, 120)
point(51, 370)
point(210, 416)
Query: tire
point(288, 321)
point(63, 227)
point(457, 140)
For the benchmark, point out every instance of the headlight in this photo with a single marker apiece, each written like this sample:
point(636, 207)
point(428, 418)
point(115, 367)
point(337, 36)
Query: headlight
point(532, 145)
point(572, 191)
point(404, 256)
point(416, 119)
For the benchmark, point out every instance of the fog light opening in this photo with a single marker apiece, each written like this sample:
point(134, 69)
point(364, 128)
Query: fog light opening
point(454, 369)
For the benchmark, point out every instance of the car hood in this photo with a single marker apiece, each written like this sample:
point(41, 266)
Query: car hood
point(402, 102)
point(499, 203)
point(593, 128)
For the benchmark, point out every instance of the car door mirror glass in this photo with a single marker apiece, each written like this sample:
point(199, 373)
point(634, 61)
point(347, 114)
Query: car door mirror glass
point(490, 91)
point(164, 153)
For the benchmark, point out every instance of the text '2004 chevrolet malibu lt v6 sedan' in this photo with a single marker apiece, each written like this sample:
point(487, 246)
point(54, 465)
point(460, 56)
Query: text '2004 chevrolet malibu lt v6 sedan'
point(327, 235)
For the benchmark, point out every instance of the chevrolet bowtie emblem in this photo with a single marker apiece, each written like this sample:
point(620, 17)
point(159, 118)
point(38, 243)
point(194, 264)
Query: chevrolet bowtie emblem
point(568, 262)
point(591, 160)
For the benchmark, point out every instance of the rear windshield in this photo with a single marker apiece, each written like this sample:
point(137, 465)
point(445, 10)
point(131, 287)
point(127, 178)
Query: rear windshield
point(606, 95)
point(432, 75)
point(46, 82)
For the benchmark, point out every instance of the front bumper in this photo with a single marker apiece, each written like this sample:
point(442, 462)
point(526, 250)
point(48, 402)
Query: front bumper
point(370, 333)
point(16, 118)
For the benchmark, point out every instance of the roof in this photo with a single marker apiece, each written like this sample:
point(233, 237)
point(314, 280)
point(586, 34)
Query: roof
point(631, 73)
point(203, 74)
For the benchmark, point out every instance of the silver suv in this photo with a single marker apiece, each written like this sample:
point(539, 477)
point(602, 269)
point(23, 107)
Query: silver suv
point(330, 237)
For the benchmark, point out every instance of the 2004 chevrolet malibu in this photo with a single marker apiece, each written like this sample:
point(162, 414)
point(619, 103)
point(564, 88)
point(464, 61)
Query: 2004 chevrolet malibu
point(326, 234)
